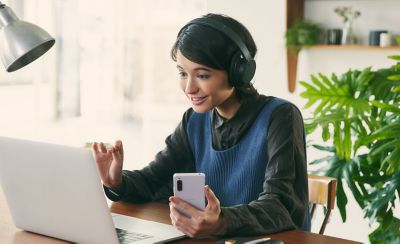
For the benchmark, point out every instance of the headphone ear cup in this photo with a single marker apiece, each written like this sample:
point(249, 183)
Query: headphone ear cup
point(241, 71)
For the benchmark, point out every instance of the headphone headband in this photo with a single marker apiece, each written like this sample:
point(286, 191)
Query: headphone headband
point(225, 30)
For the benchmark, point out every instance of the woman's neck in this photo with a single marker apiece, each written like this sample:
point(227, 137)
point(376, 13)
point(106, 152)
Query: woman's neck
point(229, 107)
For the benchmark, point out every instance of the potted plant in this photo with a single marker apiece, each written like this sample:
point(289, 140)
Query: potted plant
point(302, 33)
point(358, 114)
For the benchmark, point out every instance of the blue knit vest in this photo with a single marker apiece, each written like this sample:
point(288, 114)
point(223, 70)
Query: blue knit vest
point(236, 175)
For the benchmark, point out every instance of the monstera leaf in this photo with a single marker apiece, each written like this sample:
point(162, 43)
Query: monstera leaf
point(358, 114)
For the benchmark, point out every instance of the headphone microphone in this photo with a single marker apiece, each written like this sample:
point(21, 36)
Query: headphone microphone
point(242, 65)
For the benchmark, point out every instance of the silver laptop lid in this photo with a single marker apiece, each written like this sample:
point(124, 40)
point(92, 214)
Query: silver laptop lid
point(55, 190)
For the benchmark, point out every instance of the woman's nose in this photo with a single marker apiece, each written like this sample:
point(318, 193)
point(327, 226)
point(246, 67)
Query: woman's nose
point(191, 86)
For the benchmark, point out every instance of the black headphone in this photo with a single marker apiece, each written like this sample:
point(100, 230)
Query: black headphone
point(242, 65)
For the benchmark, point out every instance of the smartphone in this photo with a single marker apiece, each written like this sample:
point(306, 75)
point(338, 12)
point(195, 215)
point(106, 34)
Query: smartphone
point(190, 188)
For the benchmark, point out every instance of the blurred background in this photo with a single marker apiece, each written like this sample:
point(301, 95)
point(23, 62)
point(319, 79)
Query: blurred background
point(110, 75)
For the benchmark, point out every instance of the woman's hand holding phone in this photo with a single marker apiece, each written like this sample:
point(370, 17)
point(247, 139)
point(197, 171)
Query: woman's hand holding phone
point(194, 221)
point(109, 162)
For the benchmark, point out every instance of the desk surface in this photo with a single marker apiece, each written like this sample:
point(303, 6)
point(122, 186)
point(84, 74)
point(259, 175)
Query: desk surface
point(151, 211)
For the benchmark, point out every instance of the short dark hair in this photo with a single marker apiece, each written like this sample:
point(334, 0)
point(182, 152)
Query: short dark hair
point(212, 48)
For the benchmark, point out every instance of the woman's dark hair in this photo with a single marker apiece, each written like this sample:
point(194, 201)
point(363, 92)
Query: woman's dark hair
point(207, 46)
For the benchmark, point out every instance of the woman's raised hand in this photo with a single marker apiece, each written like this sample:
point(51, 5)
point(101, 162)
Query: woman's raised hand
point(109, 163)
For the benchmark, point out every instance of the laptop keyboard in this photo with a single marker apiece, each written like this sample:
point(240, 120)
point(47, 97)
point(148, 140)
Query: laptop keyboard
point(126, 237)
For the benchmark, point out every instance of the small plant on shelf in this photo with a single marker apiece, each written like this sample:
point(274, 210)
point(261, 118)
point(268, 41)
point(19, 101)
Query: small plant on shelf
point(348, 15)
point(302, 33)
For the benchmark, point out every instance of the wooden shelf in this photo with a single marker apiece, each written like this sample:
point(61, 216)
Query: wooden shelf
point(353, 47)
point(294, 12)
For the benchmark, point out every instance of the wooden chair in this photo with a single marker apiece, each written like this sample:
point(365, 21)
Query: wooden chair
point(322, 191)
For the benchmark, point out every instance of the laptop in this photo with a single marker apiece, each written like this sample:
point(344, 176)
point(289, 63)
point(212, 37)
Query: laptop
point(56, 191)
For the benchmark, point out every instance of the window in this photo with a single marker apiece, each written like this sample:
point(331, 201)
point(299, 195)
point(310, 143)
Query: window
point(110, 63)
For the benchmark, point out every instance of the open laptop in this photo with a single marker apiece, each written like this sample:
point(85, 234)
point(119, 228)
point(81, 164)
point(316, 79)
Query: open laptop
point(56, 191)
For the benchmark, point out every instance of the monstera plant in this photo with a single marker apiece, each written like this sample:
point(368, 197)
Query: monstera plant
point(357, 115)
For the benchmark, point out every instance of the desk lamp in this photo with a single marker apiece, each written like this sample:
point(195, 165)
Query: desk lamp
point(20, 42)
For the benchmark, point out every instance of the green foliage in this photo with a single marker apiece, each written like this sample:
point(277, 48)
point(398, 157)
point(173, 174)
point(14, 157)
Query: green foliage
point(387, 234)
point(301, 34)
point(358, 114)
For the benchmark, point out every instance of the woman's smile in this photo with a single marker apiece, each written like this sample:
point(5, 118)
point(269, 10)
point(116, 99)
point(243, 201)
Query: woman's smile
point(197, 101)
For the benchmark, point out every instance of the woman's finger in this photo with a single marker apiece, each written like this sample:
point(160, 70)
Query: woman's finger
point(213, 202)
point(103, 148)
point(95, 150)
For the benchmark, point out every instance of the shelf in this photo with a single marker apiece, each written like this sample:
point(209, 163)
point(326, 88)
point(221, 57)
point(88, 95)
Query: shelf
point(295, 11)
point(353, 47)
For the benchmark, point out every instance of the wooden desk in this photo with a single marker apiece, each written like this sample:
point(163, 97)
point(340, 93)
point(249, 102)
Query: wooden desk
point(9, 234)
point(160, 213)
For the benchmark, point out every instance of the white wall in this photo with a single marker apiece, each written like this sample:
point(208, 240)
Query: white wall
point(266, 20)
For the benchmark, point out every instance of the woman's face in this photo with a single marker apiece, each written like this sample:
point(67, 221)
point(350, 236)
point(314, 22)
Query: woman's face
point(206, 88)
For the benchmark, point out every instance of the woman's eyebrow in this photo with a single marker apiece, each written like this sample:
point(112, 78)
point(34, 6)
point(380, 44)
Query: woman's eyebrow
point(203, 68)
point(198, 68)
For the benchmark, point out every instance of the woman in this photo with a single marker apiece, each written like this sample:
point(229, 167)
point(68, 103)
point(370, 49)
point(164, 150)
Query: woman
point(251, 147)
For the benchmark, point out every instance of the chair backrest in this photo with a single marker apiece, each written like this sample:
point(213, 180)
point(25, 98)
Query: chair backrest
point(322, 191)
